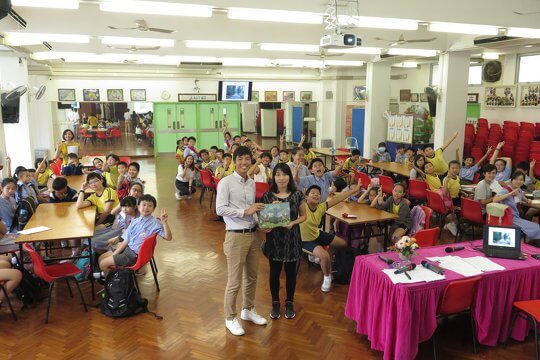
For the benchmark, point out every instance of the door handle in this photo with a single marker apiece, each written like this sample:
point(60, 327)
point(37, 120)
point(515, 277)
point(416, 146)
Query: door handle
point(174, 125)
point(212, 123)
point(169, 118)
point(182, 121)
point(178, 125)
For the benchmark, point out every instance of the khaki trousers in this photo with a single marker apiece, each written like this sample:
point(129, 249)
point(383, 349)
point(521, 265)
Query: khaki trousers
point(242, 252)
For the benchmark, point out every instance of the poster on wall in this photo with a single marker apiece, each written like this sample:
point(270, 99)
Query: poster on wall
point(306, 96)
point(255, 96)
point(66, 94)
point(414, 97)
point(90, 94)
point(530, 96)
point(270, 96)
point(405, 95)
point(115, 95)
point(288, 96)
point(359, 93)
point(137, 94)
point(500, 96)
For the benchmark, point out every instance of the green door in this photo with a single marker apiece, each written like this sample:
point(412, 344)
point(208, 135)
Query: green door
point(165, 127)
point(231, 112)
point(186, 120)
point(210, 126)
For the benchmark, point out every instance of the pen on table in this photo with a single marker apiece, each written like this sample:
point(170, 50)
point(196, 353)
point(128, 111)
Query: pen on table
point(408, 276)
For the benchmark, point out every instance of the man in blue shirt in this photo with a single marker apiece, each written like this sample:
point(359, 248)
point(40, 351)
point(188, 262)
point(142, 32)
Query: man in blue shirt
point(138, 230)
point(319, 177)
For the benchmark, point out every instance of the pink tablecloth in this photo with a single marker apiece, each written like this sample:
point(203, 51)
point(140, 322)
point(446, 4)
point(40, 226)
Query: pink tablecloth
point(396, 318)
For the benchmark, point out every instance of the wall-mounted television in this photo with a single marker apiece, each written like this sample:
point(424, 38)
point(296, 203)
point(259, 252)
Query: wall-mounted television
point(10, 110)
point(234, 90)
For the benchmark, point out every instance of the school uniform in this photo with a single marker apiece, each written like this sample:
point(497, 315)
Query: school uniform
point(138, 230)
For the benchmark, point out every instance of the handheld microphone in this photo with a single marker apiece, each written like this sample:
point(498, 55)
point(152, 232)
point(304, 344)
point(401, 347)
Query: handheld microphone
point(386, 260)
point(455, 248)
point(403, 269)
point(433, 267)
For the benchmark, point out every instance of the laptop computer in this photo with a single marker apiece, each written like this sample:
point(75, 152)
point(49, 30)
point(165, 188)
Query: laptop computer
point(502, 242)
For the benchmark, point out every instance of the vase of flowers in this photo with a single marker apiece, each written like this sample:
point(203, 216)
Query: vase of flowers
point(406, 247)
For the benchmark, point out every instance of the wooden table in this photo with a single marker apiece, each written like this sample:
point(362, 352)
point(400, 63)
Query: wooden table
point(66, 223)
point(326, 152)
point(366, 215)
point(393, 167)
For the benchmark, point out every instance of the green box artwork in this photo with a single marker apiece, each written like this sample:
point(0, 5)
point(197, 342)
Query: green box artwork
point(275, 215)
point(422, 124)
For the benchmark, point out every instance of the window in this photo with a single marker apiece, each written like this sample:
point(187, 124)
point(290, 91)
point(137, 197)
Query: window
point(475, 75)
point(529, 68)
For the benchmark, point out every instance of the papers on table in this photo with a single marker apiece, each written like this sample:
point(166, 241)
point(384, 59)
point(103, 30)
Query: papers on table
point(8, 239)
point(467, 266)
point(34, 230)
point(419, 274)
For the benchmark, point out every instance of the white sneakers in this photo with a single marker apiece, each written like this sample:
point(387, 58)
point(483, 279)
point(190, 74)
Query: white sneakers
point(314, 259)
point(178, 196)
point(327, 283)
point(452, 227)
point(236, 328)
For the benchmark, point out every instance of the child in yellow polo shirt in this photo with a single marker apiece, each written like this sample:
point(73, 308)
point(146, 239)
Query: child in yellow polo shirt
point(226, 168)
point(436, 157)
point(43, 173)
point(451, 185)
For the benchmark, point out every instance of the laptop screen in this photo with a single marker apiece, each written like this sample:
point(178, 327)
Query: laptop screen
point(502, 237)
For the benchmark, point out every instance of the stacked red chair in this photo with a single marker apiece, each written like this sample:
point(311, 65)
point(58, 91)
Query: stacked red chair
point(510, 137)
point(525, 136)
point(495, 136)
point(537, 130)
point(469, 138)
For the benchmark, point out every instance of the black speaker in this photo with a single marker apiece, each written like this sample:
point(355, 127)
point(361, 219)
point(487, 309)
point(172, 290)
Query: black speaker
point(5, 7)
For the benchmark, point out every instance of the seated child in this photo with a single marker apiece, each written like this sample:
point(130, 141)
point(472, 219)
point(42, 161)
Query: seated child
point(226, 168)
point(104, 198)
point(353, 162)
point(283, 156)
point(213, 150)
point(8, 205)
point(451, 186)
point(180, 150)
point(400, 154)
point(419, 162)
point(398, 205)
point(185, 178)
point(105, 237)
point(138, 230)
point(433, 181)
point(207, 163)
point(298, 162)
point(309, 154)
point(260, 171)
point(524, 167)
point(319, 177)
point(381, 155)
point(314, 239)
point(43, 173)
point(98, 167)
point(467, 171)
point(122, 171)
point(62, 192)
point(25, 186)
point(436, 157)
point(274, 151)
point(110, 170)
point(409, 154)
point(73, 166)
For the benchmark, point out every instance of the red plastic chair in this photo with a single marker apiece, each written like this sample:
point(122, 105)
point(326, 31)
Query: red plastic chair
point(126, 159)
point(530, 311)
point(457, 298)
point(386, 183)
point(428, 214)
point(260, 189)
point(365, 179)
point(116, 134)
point(476, 178)
point(101, 135)
point(417, 190)
point(85, 136)
point(435, 202)
point(57, 170)
point(426, 238)
point(207, 185)
point(506, 220)
point(145, 256)
point(471, 213)
point(53, 272)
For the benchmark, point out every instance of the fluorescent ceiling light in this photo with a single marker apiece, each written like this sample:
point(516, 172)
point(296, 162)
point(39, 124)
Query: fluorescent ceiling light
point(202, 44)
point(357, 50)
point(251, 62)
point(490, 56)
point(412, 52)
point(155, 8)
point(20, 39)
point(289, 47)
point(378, 22)
point(343, 63)
point(297, 17)
point(524, 32)
point(299, 63)
point(118, 40)
point(458, 28)
point(56, 4)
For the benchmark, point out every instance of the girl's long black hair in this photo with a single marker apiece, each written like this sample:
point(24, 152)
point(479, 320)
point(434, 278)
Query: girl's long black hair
point(291, 186)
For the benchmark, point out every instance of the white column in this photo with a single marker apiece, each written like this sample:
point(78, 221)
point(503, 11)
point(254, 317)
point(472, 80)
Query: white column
point(452, 104)
point(378, 99)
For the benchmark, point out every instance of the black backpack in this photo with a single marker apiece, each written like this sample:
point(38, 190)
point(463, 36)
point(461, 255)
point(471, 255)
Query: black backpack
point(29, 289)
point(343, 265)
point(121, 298)
point(25, 209)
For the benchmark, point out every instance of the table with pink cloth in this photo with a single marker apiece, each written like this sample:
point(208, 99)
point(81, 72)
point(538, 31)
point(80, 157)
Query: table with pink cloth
point(396, 318)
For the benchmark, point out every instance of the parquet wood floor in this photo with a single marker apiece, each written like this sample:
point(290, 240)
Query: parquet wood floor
point(192, 275)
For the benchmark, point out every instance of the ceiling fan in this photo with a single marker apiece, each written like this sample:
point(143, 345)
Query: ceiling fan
point(134, 48)
point(126, 61)
point(142, 26)
point(323, 54)
point(402, 41)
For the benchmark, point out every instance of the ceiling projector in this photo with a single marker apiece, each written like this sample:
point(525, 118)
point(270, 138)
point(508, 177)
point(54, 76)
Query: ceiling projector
point(339, 41)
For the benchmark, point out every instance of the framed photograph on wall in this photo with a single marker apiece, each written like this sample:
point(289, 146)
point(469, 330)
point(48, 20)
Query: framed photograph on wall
point(359, 93)
point(414, 97)
point(500, 96)
point(255, 96)
point(90, 94)
point(137, 94)
point(472, 98)
point(423, 97)
point(530, 96)
point(306, 96)
point(288, 96)
point(115, 95)
point(405, 95)
point(66, 94)
point(270, 96)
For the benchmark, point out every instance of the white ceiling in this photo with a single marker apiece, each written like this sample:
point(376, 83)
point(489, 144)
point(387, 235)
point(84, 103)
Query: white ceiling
point(89, 20)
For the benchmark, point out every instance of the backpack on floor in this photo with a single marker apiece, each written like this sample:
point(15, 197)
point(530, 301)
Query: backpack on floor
point(121, 298)
point(29, 289)
point(84, 265)
point(343, 265)
point(25, 209)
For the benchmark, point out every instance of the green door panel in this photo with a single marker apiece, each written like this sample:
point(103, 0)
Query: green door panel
point(165, 127)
